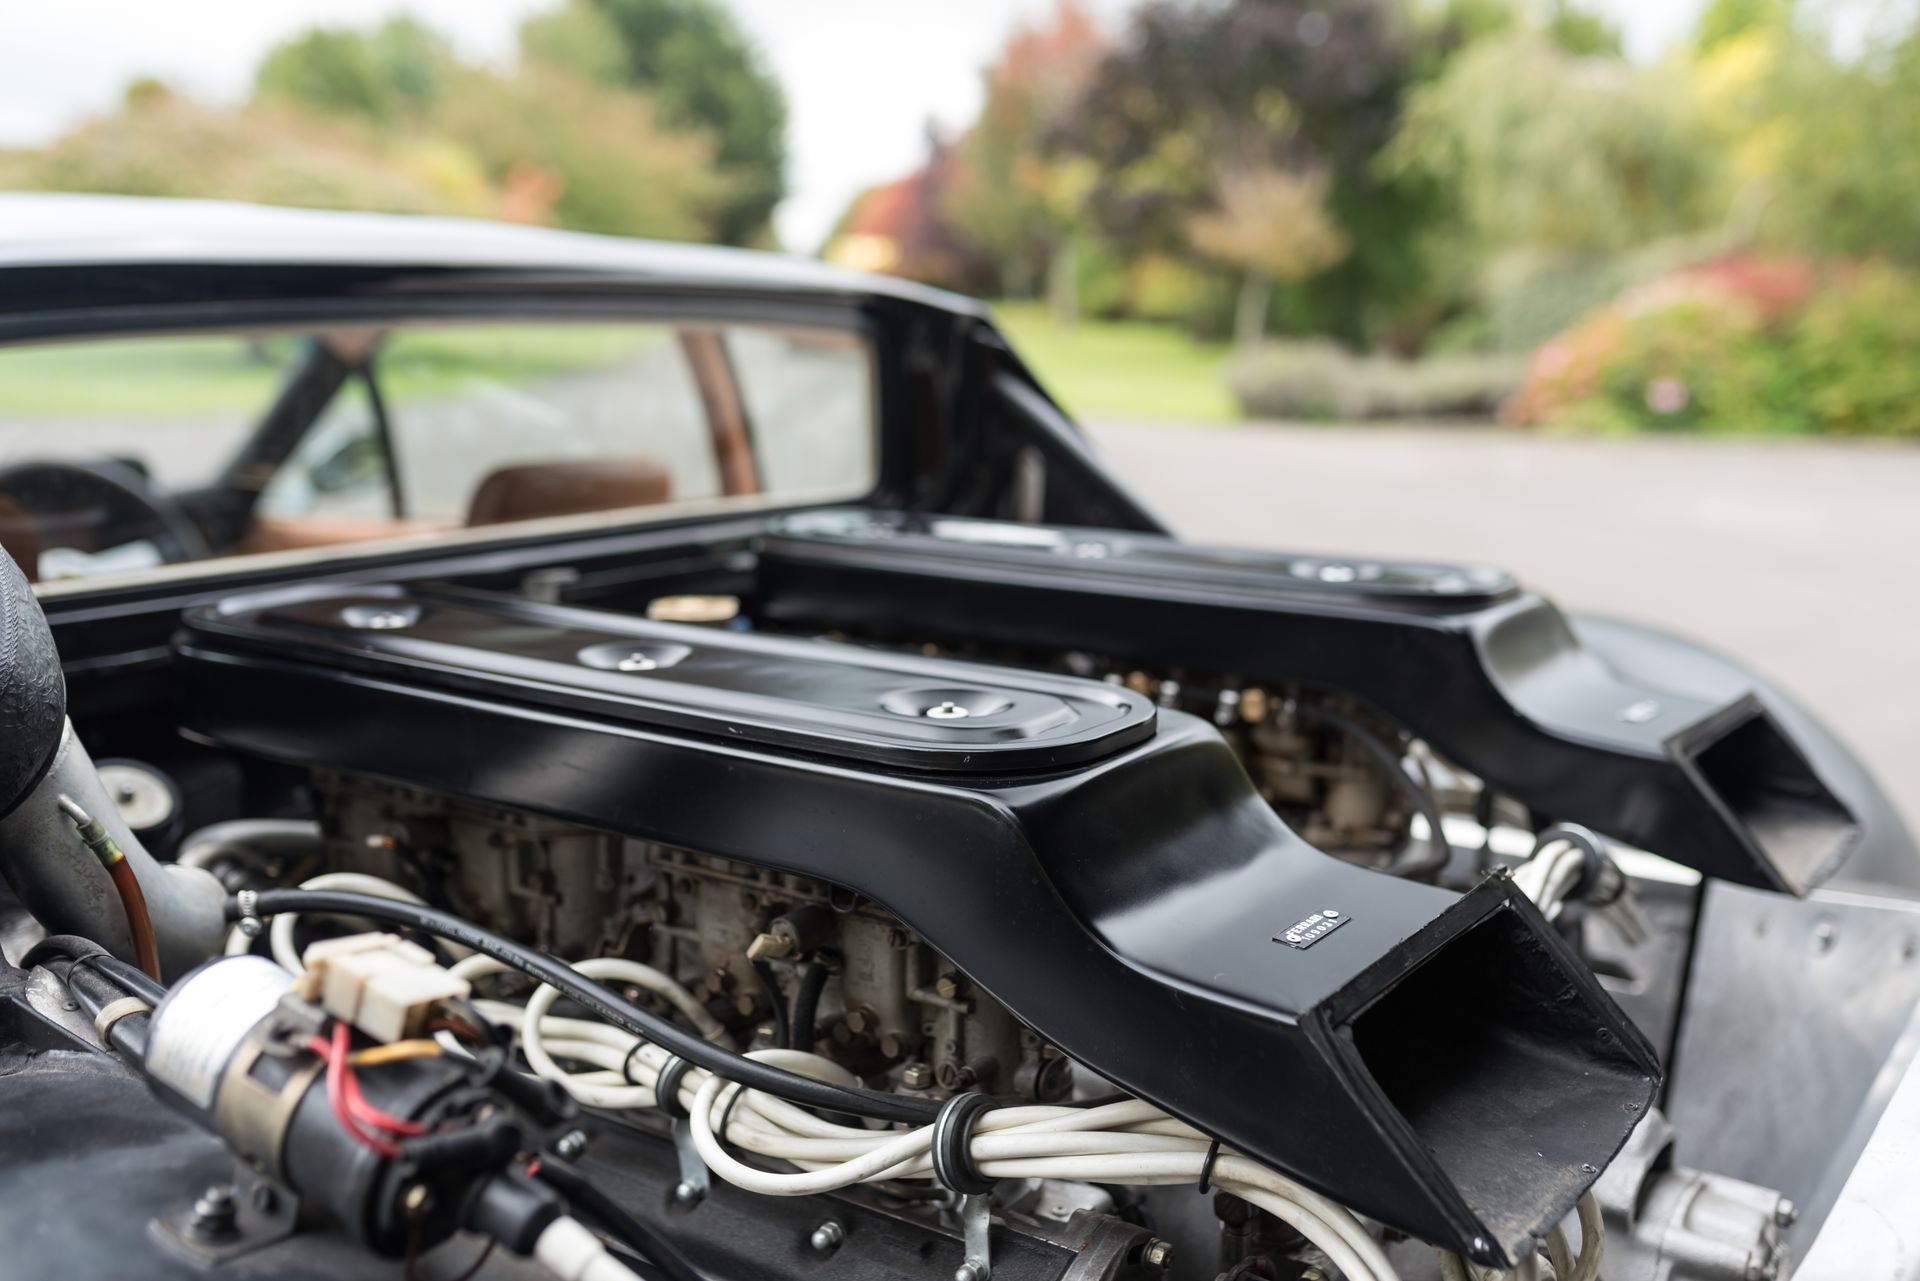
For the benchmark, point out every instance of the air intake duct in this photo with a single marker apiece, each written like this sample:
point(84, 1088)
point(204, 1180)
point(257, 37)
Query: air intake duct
point(1105, 869)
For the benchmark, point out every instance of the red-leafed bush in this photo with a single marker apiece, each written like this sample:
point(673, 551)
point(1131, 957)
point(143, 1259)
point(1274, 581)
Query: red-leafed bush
point(1742, 344)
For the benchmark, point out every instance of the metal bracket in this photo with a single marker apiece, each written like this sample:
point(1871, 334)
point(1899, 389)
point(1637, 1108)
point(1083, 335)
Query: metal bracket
point(976, 1218)
point(695, 1182)
point(254, 1213)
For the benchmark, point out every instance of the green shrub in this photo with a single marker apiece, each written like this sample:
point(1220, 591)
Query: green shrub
point(1854, 356)
point(1696, 360)
point(1318, 379)
point(1739, 346)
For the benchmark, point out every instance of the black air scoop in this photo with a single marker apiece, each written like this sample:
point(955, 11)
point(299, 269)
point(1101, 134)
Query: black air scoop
point(1107, 871)
point(33, 697)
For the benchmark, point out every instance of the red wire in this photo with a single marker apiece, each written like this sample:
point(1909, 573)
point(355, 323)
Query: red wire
point(368, 1114)
point(335, 1054)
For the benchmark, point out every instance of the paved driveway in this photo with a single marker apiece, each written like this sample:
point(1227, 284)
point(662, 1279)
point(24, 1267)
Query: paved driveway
point(1798, 557)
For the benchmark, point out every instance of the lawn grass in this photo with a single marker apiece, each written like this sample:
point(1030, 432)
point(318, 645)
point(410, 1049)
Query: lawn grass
point(1122, 368)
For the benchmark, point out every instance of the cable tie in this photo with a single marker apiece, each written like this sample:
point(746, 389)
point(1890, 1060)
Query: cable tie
point(952, 1143)
point(1206, 1167)
point(726, 1118)
point(626, 1064)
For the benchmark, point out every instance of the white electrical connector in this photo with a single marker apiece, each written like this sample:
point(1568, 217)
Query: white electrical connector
point(380, 983)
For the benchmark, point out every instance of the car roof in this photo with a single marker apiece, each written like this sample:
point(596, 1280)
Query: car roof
point(43, 230)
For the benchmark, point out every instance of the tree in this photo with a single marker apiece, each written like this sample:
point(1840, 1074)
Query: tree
point(393, 71)
point(1008, 195)
point(1540, 147)
point(1196, 94)
point(1723, 20)
point(690, 58)
point(1274, 226)
point(1843, 144)
point(565, 150)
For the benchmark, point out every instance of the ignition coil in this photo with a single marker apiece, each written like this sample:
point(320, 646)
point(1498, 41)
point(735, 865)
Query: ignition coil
point(399, 1144)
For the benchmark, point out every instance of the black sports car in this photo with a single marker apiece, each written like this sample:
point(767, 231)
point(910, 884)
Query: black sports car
point(529, 754)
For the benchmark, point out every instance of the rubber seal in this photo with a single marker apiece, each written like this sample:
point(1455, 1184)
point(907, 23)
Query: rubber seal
point(952, 1143)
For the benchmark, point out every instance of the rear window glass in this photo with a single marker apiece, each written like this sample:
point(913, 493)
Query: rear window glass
point(121, 455)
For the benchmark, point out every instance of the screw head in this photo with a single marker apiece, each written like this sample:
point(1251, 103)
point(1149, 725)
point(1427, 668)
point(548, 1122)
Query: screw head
point(215, 1213)
point(827, 1236)
point(1158, 1255)
point(685, 1193)
point(947, 711)
point(1786, 1213)
point(970, 1271)
point(947, 986)
point(571, 1144)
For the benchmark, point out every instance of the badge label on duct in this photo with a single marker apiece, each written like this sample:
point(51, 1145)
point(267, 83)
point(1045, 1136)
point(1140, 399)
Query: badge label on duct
point(1303, 934)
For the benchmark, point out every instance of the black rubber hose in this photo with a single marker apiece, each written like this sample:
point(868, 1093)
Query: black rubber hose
point(97, 979)
point(806, 1006)
point(131, 979)
point(583, 1196)
point(615, 1009)
point(1435, 856)
point(782, 1036)
point(33, 694)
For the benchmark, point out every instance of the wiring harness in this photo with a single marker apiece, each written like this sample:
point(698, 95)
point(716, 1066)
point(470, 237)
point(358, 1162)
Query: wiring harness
point(802, 1111)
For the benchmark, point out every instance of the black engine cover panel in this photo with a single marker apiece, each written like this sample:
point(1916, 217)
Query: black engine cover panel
point(1490, 674)
point(1442, 1063)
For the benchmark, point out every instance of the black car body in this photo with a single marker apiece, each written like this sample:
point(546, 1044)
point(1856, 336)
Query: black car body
point(927, 684)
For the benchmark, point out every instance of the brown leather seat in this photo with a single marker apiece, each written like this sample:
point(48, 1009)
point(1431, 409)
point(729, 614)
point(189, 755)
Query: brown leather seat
point(529, 491)
point(20, 537)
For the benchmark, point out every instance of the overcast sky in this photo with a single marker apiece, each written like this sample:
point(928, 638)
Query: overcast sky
point(863, 77)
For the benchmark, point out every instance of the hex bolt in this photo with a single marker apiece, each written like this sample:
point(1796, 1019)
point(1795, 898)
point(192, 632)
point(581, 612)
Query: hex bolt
point(1313, 1274)
point(685, 1193)
point(215, 1214)
point(1158, 1255)
point(570, 1145)
point(916, 1076)
point(1786, 1214)
point(827, 1236)
point(970, 1271)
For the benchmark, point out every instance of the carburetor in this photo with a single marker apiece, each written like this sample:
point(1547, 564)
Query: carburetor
point(842, 976)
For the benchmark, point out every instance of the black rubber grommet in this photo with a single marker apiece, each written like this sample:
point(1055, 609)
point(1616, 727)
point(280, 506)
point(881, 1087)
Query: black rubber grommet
point(1206, 1167)
point(952, 1140)
point(666, 1088)
point(1593, 858)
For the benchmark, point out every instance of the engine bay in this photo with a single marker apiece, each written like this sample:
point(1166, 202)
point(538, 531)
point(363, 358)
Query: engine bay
point(892, 896)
